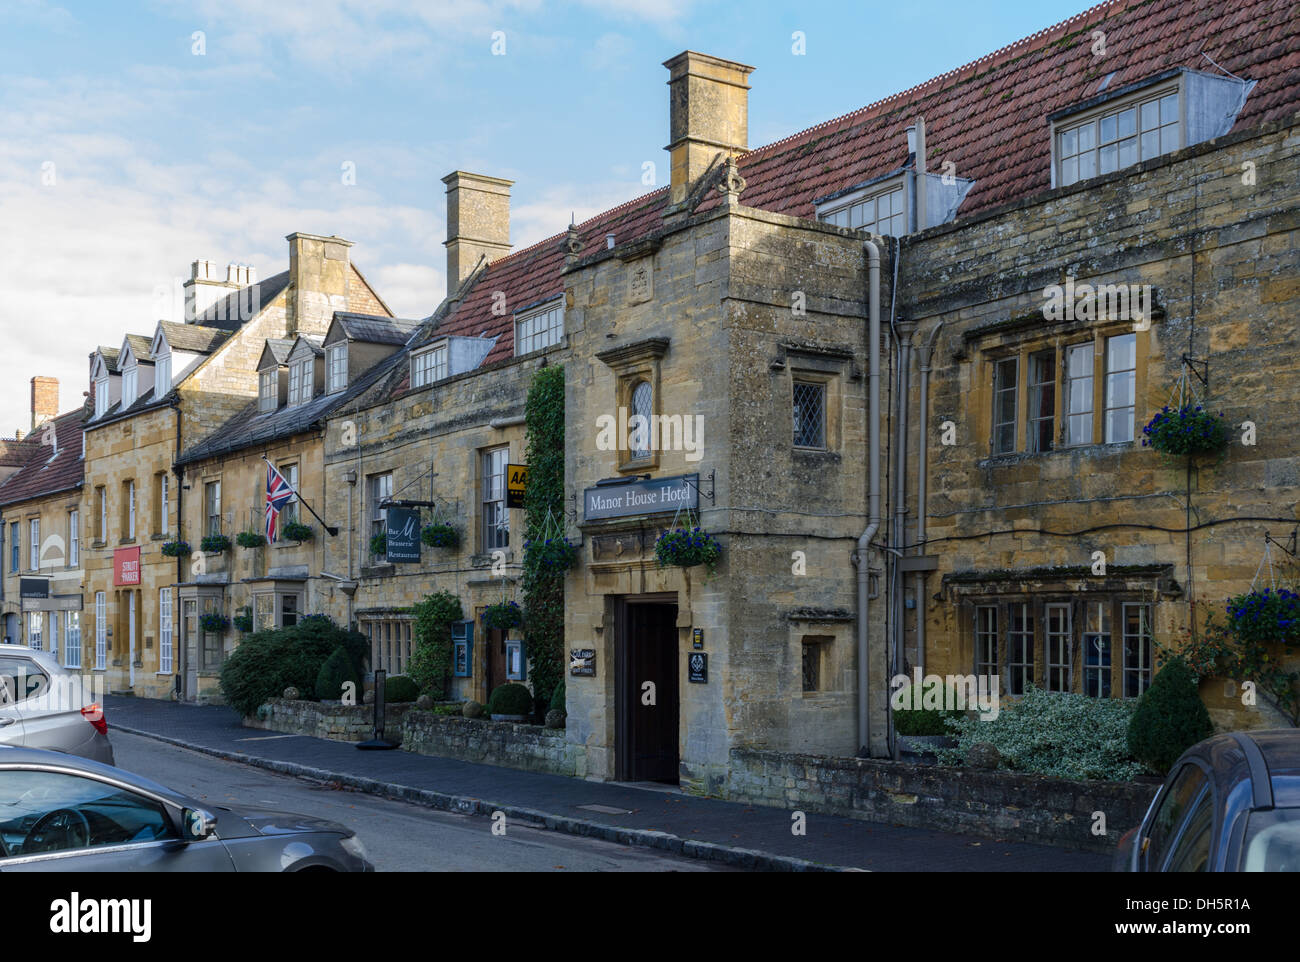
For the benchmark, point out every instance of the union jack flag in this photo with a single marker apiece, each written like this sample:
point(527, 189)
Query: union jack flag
point(278, 495)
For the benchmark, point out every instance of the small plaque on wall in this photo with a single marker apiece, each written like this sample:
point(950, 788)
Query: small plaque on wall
point(697, 668)
point(582, 662)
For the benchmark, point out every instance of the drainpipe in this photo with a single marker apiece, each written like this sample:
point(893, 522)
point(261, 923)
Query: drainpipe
point(905, 329)
point(862, 556)
point(921, 507)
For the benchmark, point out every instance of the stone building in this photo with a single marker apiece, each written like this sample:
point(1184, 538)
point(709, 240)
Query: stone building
point(41, 517)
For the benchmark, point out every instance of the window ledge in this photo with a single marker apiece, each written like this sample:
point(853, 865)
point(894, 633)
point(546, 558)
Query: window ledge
point(1021, 457)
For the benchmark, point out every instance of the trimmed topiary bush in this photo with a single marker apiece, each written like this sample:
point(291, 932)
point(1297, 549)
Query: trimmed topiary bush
point(1170, 717)
point(472, 709)
point(557, 702)
point(334, 675)
point(399, 688)
point(268, 662)
point(510, 699)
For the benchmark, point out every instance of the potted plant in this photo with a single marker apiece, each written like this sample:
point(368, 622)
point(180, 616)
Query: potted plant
point(214, 544)
point(1189, 430)
point(1265, 617)
point(379, 546)
point(250, 539)
point(440, 535)
point(176, 549)
point(214, 622)
point(297, 531)
point(503, 615)
point(510, 702)
point(244, 620)
point(687, 547)
point(551, 554)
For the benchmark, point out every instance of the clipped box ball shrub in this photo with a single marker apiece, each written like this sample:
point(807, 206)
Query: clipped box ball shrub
point(334, 675)
point(398, 688)
point(510, 699)
point(912, 718)
point(1170, 717)
point(268, 662)
point(1054, 733)
point(557, 702)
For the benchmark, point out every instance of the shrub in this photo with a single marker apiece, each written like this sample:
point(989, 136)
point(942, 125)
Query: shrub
point(297, 531)
point(250, 539)
point(215, 544)
point(334, 674)
point(268, 662)
point(440, 536)
point(557, 702)
point(1186, 431)
point(504, 616)
point(914, 719)
point(686, 548)
point(177, 549)
point(431, 660)
point(400, 688)
point(510, 699)
point(379, 546)
point(471, 709)
point(1054, 733)
point(1169, 719)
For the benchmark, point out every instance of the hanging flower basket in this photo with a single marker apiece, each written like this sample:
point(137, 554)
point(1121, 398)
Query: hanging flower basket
point(1265, 617)
point(244, 621)
point(214, 623)
point(297, 531)
point(379, 546)
point(1188, 430)
point(250, 539)
point(439, 535)
point(214, 544)
point(503, 616)
point(177, 549)
point(687, 548)
point(551, 554)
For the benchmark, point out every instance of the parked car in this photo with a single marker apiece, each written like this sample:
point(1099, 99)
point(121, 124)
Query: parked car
point(44, 705)
point(59, 813)
point(1230, 804)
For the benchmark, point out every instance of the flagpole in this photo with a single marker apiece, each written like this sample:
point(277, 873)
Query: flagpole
point(333, 530)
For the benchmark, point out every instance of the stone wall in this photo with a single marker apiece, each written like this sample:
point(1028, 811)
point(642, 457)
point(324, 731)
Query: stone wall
point(528, 747)
point(1027, 808)
point(344, 723)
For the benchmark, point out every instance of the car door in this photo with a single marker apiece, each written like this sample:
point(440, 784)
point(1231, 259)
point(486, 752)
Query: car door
point(1191, 849)
point(1167, 820)
point(11, 718)
point(54, 820)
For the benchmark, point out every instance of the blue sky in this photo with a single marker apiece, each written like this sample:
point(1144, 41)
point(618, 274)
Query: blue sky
point(160, 155)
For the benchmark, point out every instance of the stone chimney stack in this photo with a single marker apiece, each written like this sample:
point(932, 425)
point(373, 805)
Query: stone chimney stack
point(205, 288)
point(318, 282)
point(45, 400)
point(708, 114)
point(478, 222)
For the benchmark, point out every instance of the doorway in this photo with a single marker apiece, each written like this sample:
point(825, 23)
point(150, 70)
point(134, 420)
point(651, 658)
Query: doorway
point(495, 667)
point(647, 702)
point(190, 648)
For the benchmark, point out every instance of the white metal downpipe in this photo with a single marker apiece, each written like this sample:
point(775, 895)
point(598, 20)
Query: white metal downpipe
point(873, 490)
point(923, 445)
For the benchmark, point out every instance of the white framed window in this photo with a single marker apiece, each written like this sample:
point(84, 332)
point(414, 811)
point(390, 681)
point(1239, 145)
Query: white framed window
point(34, 545)
point(883, 212)
point(1060, 635)
point(1137, 649)
point(162, 375)
point(35, 623)
point(986, 641)
point(1078, 394)
point(381, 489)
point(212, 507)
point(1042, 401)
point(101, 397)
point(429, 366)
point(1119, 135)
point(101, 495)
point(130, 510)
point(306, 380)
point(1096, 649)
point(162, 520)
point(1006, 375)
point(1121, 387)
point(336, 368)
point(496, 516)
point(72, 639)
point(539, 328)
point(129, 380)
point(1020, 648)
point(268, 390)
point(165, 631)
point(74, 538)
point(101, 630)
point(289, 514)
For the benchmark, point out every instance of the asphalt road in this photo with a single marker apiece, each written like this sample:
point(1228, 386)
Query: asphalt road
point(399, 837)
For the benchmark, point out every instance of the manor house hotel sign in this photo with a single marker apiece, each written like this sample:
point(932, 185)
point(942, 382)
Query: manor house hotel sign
point(654, 496)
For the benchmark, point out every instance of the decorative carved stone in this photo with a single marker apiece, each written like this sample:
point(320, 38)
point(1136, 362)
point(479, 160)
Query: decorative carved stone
point(640, 281)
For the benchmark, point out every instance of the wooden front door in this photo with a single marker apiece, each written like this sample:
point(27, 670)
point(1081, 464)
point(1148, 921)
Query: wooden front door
point(495, 658)
point(647, 711)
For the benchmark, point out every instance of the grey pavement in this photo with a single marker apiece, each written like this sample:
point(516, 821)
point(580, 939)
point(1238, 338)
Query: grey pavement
point(708, 828)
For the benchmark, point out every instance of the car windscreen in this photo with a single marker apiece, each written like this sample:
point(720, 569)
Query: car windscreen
point(1272, 841)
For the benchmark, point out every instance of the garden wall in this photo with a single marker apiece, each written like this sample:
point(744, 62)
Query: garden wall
point(344, 723)
point(529, 747)
point(994, 804)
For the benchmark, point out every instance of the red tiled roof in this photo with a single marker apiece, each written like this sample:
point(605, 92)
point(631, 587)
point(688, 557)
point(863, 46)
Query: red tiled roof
point(14, 453)
point(42, 475)
point(988, 118)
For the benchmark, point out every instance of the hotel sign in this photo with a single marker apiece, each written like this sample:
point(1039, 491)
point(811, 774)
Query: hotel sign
point(656, 496)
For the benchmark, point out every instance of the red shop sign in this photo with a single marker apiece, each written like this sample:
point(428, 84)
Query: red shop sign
point(126, 566)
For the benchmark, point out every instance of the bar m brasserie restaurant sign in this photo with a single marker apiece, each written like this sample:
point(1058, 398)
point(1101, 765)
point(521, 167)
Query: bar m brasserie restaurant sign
point(655, 496)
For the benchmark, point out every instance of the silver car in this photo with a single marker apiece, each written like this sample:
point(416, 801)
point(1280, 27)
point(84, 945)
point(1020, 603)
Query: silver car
point(44, 705)
point(65, 814)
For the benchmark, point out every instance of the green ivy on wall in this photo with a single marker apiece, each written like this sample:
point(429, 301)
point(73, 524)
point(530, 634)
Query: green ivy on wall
point(543, 587)
point(430, 663)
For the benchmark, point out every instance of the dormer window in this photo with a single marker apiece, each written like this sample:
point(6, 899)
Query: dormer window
point(129, 381)
point(539, 328)
point(268, 390)
point(1120, 136)
point(300, 382)
point(101, 397)
point(336, 368)
point(879, 209)
point(162, 375)
point(429, 366)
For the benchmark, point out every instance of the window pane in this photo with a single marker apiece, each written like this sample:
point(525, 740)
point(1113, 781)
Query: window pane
point(1128, 152)
point(1069, 171)
point(1108, 128)
point(643, 410)
point(1151, 115)
point(1069, 143)
point(1150, 144)
point(1127, 122)
point(1109, 158)
point(1087, 165)
point(1042, 401)
point(1169, 109)
point(809, 415)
